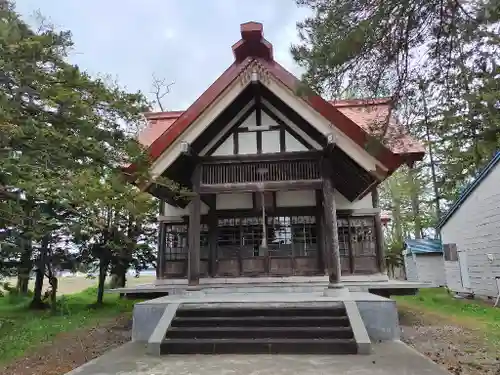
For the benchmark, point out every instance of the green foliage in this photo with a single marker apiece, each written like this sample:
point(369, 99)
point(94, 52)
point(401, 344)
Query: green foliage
point(64, 138)
point(439, 62)
point(22, 330)
point(394, 257)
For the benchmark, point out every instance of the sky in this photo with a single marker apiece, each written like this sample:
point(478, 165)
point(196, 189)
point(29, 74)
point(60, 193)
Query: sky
point(184, 41)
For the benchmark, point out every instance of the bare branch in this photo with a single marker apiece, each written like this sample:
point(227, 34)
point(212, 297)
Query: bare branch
point(160, 89)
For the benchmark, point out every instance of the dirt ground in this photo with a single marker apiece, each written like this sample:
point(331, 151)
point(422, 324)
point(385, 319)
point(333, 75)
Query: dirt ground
point(71, 350)
point(461, 351)
point(75, 284)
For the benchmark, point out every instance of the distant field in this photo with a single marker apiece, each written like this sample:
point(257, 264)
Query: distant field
point(76, 284)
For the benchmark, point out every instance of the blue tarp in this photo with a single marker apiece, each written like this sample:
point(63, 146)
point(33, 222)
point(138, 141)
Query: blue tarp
point(423, 246)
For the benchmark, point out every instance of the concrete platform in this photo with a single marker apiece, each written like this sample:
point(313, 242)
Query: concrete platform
point(379, 314)
point(297, 284)
point(391, 358)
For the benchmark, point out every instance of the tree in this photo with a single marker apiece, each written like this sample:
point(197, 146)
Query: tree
point(369, 45)
point(112, 233)
point(64, 138)
point(439, 62)
point(161, 88)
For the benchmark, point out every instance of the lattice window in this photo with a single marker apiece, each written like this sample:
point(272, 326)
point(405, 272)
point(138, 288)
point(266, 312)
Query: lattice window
point(292, 235)
point(279, 233)
point(363, 236)
point(176, 241)
point(343, 233)
point(304, 235)
point(229, 238)
point(204, 242)
point(286, 236)
point(251, 236)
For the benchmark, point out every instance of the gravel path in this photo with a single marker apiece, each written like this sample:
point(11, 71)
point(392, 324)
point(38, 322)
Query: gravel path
point(461, 351)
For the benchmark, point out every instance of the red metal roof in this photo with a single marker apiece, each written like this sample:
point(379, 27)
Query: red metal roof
point(158, 123)
point(352, 117)
point(371, 115)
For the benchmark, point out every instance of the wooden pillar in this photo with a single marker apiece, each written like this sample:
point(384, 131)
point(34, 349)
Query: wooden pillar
point(212, 234)
point(332, 251)
point(379, 233)
point(162, 243)
point(320, 236)
point(194, 231)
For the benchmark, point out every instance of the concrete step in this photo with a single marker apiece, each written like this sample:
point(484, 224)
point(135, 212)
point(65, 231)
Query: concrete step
point(260, 332)
point(261, 321)
point(236, 311)
point(258, 346)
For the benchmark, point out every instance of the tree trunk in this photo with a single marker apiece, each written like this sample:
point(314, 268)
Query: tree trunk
point(37, 302)
point(415, 204)
point(53, 292)
point(103, 268)
point(22, 283)
point(26, 264)
point(433, 174)
point(118, 278)
point(396, 215)
point(432, 162)
point(24, 269)
point(121, 275)
point(122, 278)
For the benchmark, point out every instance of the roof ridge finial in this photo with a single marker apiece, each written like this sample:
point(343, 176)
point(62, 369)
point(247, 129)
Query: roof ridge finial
point(252, 31)
point(252, 43)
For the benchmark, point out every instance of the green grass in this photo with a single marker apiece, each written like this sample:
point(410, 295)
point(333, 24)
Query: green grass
point(471, 314)
point(21, 329)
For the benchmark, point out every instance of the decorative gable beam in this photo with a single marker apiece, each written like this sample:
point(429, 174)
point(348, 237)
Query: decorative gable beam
point(304, 112)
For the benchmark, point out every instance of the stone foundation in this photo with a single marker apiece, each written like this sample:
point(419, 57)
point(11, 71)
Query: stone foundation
point(378, 314)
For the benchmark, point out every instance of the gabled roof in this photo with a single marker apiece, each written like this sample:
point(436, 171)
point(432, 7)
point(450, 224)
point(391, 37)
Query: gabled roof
point(423, 246)
point(363, 112)
point(469, 190)
point(370, 114)
point(350, 117)
point(158, 123)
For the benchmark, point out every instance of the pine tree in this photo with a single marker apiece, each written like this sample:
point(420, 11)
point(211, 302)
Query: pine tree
point(64, 139)
point(439, 61)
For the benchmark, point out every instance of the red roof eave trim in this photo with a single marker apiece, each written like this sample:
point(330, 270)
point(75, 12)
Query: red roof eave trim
point(389, 159)
point(196, 109)
point(163, 115)
point(360, 102)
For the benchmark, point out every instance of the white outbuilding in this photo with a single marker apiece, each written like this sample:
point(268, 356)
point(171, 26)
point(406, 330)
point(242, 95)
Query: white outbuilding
point(470, 233)
point(424, 261)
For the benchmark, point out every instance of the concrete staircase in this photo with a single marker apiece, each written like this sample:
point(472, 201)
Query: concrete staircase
point(260, 329)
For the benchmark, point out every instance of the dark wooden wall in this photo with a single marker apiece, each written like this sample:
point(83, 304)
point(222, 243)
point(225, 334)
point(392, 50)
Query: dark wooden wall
point(357, 240)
